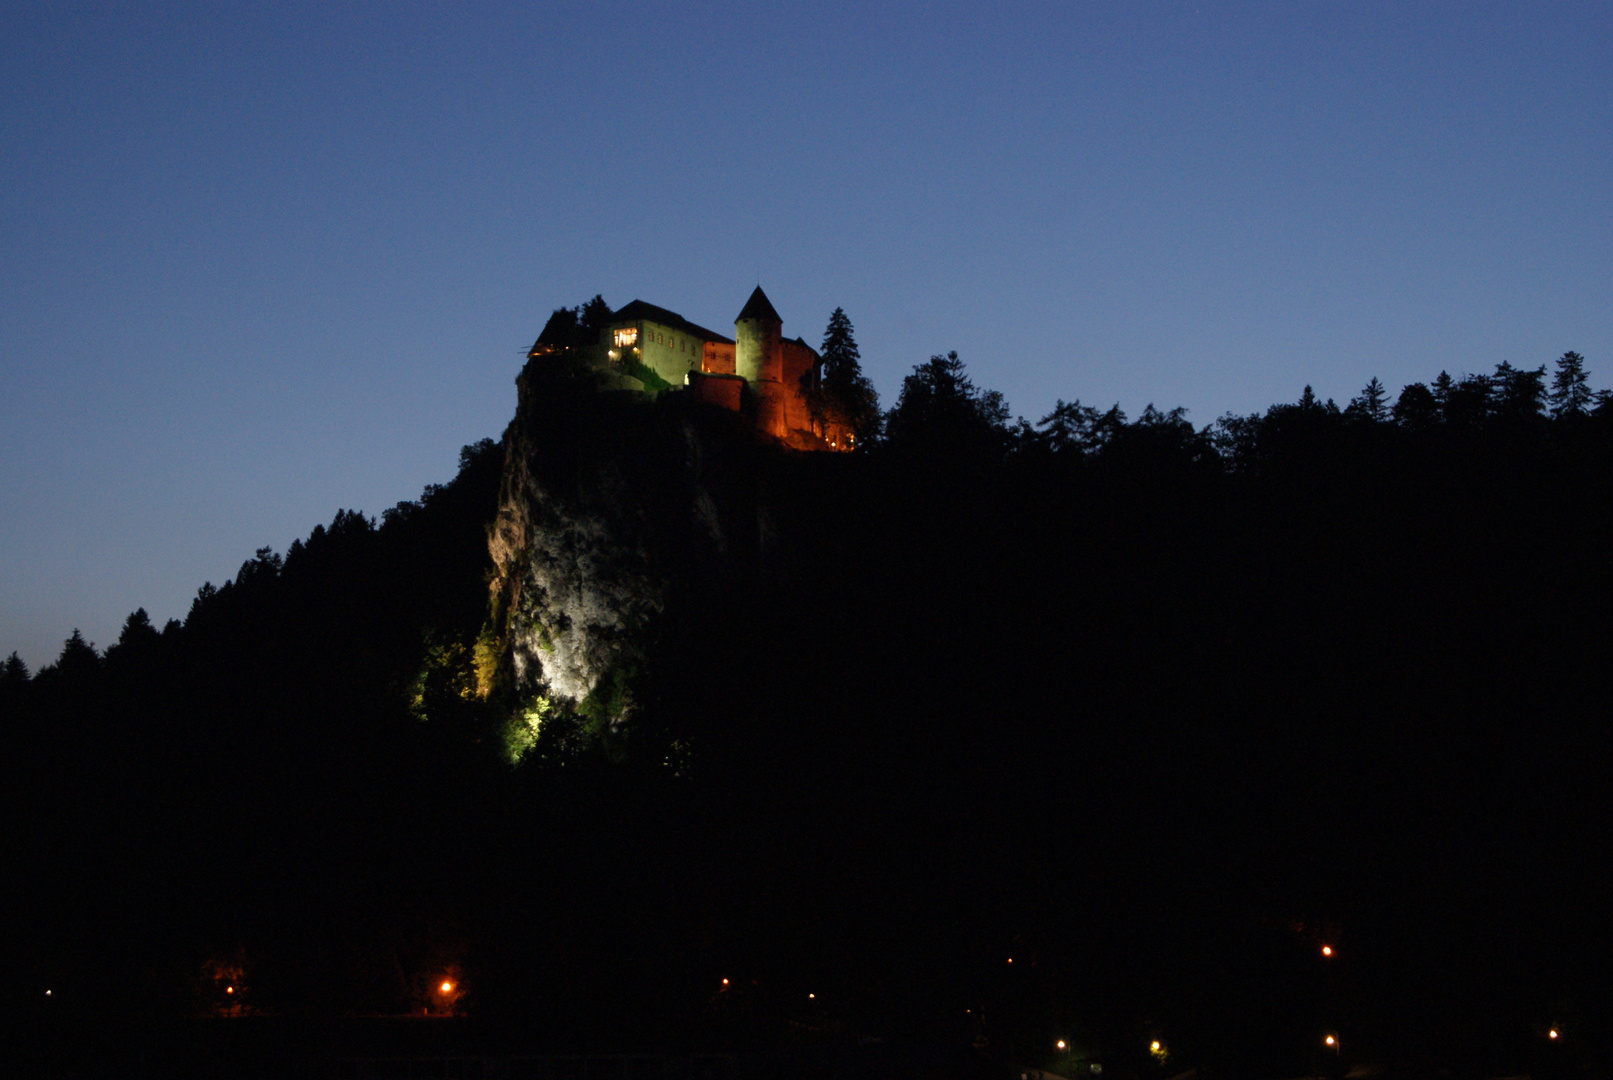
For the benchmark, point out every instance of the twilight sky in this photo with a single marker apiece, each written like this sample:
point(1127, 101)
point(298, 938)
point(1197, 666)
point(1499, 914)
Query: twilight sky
point(259, 262)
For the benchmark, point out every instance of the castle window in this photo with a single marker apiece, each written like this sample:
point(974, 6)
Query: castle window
point(626, 337)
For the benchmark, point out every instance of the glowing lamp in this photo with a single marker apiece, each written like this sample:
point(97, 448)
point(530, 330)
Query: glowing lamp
point(446, 987)
point(1327, 950)
point(229, 989)
point(725, 982)
point(1552, 1034)
point(1331, 1041)
point(1060, 1044)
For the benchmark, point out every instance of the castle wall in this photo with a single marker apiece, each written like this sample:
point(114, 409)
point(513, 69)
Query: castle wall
point(718, 358)
point(797, 361)
point(723, 390)
point(670, 353)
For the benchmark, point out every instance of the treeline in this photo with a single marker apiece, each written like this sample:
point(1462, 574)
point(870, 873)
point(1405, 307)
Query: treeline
point(1152, 710)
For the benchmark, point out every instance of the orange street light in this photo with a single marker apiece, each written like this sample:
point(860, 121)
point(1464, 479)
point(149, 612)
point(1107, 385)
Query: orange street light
point(1332, 1042)
point(1552, 1034)
point(1060, 1044)
point(1327, 950)
point(447, 987)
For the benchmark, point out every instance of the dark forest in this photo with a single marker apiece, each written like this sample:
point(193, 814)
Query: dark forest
point(1090, 730)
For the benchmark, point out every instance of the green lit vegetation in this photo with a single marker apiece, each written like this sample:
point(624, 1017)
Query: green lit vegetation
point(645, 374)
point(524, 725)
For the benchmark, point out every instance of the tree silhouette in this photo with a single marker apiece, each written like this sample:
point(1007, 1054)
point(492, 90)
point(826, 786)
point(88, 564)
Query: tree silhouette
point(1075, 428)
point(1417, 408)
point(941, 410)
point(842, 397)
point(79, 661)
point(1373, 404)
point(1519, 393)
point(1570, 387)
point(137, 629)
point(1467, 402)
point(13, 673)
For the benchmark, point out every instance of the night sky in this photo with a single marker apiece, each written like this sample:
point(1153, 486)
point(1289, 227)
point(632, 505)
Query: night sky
point(259, 262)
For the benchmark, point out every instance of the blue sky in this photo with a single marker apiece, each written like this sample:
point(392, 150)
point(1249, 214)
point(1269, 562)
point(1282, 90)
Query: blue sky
point(259, 262)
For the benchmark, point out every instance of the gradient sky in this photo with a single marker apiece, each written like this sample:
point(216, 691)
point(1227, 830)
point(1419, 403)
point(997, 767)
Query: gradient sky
point(259, 262)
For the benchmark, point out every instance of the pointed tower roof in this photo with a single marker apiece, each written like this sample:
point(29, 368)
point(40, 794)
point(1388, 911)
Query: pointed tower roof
point(758, 307)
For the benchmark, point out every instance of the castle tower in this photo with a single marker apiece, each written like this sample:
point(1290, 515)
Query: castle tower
point(759, 340)
point(759, 358)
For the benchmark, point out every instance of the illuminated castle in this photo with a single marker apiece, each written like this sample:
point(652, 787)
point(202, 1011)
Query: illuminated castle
point(652, 350)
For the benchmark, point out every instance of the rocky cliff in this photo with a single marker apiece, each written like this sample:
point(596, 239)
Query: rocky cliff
point(613, 510)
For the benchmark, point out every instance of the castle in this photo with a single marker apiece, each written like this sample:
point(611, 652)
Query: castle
point(651, 350)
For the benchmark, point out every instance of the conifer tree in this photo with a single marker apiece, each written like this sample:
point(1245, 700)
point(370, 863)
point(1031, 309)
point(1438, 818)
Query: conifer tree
point(843, 396)
point(1518, 392)
point(1570, 387)
point(13, 672)
point(1373, 404)
point(79, 660)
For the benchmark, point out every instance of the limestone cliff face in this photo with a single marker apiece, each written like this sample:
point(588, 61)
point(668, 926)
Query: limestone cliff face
point(611, 509)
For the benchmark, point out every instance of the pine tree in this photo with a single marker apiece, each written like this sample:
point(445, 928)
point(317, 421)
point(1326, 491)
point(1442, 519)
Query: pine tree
point(1373, 404)
point(79, 660)
point(13, 673)
point(1570, 387)
point(842, 396)
point(1518, 392)
point(840, 355)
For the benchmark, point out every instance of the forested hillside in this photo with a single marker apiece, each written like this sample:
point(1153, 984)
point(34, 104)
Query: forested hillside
point(990, 734)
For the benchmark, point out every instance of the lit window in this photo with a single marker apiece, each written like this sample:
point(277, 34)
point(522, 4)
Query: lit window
point(626, 337)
